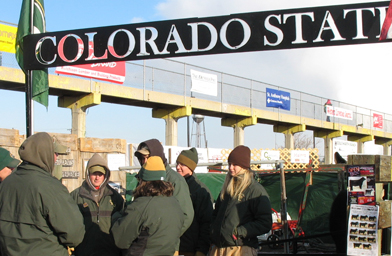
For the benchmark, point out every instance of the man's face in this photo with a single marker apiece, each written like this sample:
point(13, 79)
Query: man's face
point(97, 178)
point(183, 170)
point(5, 172)
point(143, 158)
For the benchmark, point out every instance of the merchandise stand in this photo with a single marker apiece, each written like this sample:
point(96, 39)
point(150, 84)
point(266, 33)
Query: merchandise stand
point(382, 177)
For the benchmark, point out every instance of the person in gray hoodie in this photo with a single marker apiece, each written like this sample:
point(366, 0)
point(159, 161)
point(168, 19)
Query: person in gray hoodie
point(37, 214)
point(97, 202)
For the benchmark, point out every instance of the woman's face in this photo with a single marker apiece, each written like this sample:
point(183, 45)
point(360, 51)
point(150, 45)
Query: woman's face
point(234, 169)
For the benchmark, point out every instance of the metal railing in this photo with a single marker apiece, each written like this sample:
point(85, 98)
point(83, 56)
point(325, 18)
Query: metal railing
point(169, 76)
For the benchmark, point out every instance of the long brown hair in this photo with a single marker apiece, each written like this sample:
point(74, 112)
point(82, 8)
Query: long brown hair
point(234, 186)
point(153, 188)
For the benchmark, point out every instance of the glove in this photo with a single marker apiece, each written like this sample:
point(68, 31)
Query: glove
point(199, 254)
point(70, 250)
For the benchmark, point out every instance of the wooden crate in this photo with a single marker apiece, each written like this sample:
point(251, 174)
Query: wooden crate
point(382, 165)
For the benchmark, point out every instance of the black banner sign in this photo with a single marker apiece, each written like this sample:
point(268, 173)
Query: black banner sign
point(259, 31)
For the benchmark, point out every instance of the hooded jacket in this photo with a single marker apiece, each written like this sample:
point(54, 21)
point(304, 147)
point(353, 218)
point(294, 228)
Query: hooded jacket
point(97, 207)
point(246, 218)
point(37, 215)
point(181, 190)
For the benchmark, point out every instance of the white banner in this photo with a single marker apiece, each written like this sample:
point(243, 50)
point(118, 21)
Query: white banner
point(362, 226)
point(299, 156)
point(344, 147)
point(206, 155)
point(204, 83)
point(339, 112)
point(269, 155)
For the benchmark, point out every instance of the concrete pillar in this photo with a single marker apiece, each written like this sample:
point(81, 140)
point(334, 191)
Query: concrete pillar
point(78, 121)
point(239, 135)
point(386, 144)
point(386, 149)
point(289, 131)
point(328, 143)
point(171, 117)
point(360, 140)
point(78, 106)
point(171, 131)
point(239, 125)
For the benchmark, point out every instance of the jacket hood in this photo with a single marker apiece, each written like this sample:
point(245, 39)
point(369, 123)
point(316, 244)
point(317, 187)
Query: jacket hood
point(95, 160)
point(38, 149)
point(155, 148)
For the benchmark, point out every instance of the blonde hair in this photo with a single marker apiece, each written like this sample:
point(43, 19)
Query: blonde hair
point(234, 186)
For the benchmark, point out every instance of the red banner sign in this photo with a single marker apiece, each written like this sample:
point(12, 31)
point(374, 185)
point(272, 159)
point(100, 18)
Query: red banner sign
point(108, 71)
point(378, 121)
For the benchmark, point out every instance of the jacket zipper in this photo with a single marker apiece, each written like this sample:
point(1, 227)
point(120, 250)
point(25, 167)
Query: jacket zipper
point(98, 213)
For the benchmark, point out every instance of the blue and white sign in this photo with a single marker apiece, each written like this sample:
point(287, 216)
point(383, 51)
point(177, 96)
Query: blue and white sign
point(278, 99)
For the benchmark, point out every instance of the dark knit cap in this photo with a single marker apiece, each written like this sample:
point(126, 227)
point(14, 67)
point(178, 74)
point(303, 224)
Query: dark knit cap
point(240, 156)
point(189, 158)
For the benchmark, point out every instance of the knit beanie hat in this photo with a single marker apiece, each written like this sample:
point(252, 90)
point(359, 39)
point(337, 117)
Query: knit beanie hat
point(188, 158)
point(153, 169)
point(240, 156)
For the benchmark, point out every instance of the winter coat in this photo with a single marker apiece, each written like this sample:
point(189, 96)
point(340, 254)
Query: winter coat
point(248, 217)
point(97, 207)
point(151, 226)
point(196, 238)
point(37, 214)
point(181, 191)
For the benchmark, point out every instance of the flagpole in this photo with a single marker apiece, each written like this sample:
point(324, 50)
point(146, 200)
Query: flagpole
point(29, 105)
point(29, 77)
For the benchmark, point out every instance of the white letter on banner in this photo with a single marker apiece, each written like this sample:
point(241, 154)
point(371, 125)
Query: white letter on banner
point(332, 26)
point(298, 25)
point(195, 36)
point(131, 40)
point(176, 40)
point(38, 50)
point(247, 34)
point(151, 41)
point(359, 20)
point(273, 29)
point(383, 13)
point(61, 48)
point(91, 54)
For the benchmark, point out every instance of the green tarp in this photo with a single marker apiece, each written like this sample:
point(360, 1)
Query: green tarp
point(315, 219)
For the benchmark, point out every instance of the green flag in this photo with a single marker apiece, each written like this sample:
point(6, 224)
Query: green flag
point(40, 83)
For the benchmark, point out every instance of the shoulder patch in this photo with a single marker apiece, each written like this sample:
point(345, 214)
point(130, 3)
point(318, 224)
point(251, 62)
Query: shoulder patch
point(85, 205)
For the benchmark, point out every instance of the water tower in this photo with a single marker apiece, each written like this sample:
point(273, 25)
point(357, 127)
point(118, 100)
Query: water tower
point(198, 134)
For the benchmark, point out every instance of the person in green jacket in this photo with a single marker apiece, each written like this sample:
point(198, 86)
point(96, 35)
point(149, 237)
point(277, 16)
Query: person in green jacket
point(7, 163)
point(195, 241)
point(37, 214)
point(152, 223)
point(97, 202)
point(242, 211)
point(153, 147)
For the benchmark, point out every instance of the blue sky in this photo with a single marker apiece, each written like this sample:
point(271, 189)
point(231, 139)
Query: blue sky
point(353, 74)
